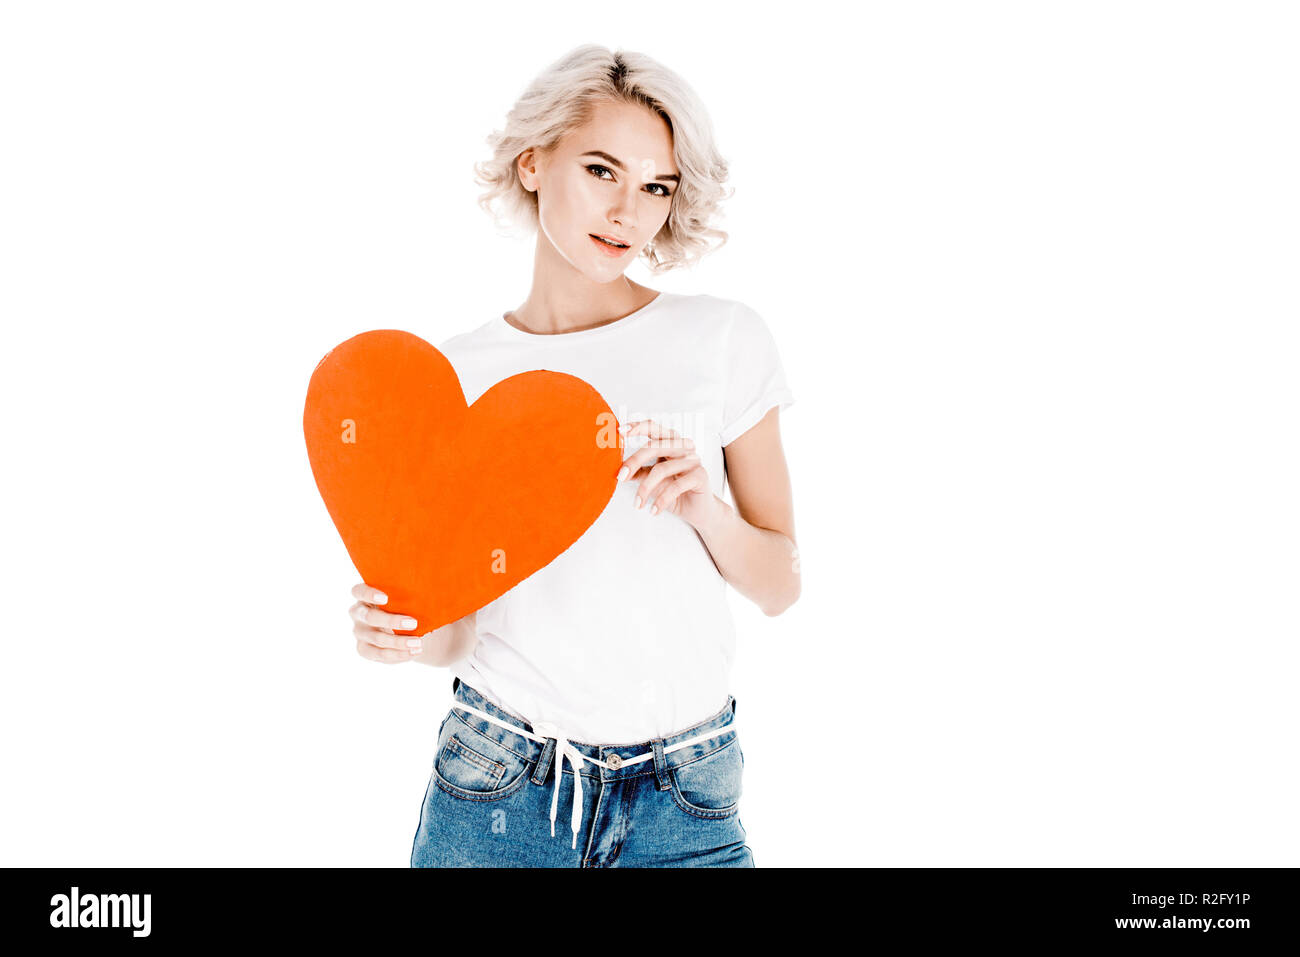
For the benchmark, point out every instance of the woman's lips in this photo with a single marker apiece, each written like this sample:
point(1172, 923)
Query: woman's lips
point(608, 249)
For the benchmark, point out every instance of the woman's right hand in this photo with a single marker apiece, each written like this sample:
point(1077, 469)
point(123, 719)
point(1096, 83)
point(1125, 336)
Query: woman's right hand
point(373, 628)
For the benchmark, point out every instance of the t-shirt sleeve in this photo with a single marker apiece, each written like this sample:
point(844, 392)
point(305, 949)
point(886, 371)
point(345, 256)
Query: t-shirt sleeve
point(755, 376)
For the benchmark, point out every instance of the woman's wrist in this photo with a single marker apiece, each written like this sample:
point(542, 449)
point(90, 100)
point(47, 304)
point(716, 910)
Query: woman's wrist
point(716, 518)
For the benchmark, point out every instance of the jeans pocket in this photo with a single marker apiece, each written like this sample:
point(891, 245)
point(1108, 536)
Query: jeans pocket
point(710, 787)
point(472, 766)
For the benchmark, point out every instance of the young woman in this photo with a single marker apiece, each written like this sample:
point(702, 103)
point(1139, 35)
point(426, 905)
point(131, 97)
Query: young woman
point(600, 683)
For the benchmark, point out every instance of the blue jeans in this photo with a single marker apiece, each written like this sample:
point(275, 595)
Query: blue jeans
point(488, 801)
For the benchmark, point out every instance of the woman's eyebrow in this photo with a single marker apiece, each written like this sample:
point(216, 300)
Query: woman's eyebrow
point(671, 177)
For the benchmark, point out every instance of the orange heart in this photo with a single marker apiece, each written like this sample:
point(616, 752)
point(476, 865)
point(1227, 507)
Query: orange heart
point(443, 506)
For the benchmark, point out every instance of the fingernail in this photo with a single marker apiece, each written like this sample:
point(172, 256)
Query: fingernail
point(622, 473)
point(415, 644)
point(638, 503)
point(408, 623)
point(381, 599)
point(654, 509)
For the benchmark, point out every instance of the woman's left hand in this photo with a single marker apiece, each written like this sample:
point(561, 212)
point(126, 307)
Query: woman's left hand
point(671, 475)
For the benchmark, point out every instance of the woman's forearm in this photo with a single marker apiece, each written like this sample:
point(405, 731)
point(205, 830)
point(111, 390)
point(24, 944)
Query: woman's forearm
point(760, 563)
point(450, 643)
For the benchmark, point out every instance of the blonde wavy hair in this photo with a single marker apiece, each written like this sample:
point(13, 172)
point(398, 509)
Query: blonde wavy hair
point(561, 99)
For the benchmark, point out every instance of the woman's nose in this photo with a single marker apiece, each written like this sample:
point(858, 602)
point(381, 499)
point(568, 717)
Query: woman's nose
point(624, 211)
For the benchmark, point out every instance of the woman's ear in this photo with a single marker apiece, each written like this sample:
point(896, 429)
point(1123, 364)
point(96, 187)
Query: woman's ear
point(526, 169)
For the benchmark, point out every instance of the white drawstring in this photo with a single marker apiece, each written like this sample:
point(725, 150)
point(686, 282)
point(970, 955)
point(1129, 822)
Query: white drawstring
point(565, 750)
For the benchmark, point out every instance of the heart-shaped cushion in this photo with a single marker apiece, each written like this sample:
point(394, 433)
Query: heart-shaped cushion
point(443, 506)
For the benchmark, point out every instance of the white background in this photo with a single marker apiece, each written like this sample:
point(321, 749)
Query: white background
point(1032, 270)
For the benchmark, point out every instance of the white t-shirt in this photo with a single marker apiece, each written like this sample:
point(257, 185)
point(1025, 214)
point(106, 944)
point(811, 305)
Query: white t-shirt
point(627, 635)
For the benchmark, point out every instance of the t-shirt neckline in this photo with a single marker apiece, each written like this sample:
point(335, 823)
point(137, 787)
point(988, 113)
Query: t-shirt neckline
point(582, 334)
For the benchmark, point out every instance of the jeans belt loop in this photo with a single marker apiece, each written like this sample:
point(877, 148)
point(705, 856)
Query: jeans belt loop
point(544, 762)
point(661, 764)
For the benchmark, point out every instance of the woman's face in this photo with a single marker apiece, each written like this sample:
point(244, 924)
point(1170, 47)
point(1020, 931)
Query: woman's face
point(613, 177)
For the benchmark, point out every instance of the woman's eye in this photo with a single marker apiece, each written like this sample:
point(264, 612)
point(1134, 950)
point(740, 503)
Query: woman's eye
point(595, 169)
